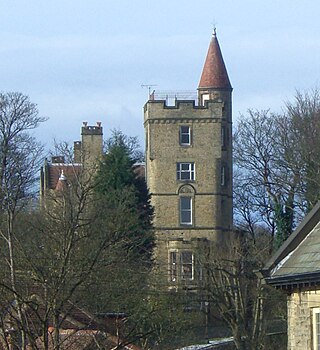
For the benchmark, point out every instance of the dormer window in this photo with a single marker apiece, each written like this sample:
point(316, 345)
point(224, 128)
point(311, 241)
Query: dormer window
point(185, 135)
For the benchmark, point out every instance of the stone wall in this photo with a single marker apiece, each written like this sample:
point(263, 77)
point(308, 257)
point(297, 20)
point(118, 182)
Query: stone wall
point(211, 199)
point(163, 151)
point(91, 146)
point(300, 306)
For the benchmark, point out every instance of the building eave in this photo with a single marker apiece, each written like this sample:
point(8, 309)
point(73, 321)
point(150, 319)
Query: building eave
point(297, 281)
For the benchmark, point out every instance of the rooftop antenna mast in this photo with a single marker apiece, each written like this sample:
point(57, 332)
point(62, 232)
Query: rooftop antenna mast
point(149, 86)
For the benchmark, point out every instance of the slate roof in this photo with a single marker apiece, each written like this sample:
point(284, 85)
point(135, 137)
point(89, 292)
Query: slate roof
point(70, 171)
point(304, 259)
point(297, 262)
point(212, 345)
point(55, 169)
point(214, 73)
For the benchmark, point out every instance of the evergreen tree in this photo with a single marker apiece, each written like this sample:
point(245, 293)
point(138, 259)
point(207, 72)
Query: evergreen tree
point(124, 212)
point(123, 191)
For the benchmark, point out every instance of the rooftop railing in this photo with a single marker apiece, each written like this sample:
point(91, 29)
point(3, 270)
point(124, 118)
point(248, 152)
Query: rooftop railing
point(170, 97)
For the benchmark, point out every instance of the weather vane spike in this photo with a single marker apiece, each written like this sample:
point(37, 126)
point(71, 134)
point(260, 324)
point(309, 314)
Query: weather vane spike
point(214, 32)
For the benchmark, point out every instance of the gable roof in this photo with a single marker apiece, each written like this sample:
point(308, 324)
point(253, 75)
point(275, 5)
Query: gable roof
point(297, 261)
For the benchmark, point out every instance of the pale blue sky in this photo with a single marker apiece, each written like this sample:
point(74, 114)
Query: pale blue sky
point(86, 60)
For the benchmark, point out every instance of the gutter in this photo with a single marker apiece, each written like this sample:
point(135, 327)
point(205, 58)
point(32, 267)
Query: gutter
point(293, 281)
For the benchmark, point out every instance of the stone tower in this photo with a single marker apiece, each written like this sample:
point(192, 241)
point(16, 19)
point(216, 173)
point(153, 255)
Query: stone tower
point(91, 145)
point(189, 169)
point(86, 156)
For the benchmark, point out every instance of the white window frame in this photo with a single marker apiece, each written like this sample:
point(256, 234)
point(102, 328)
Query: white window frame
point(184, 168)
point(204, 98)
point(316, 328)
point(184, 265)
point(185, 134)
point(189, 210)
point(173, 265)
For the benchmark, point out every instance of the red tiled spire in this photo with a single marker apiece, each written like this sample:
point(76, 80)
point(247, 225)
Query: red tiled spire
point(214, 73)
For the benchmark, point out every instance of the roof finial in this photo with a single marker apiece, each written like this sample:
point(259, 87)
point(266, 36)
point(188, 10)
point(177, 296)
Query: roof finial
point(214, 27)
point(62, 176)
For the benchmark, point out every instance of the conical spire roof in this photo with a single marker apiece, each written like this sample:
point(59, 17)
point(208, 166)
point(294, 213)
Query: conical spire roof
point(214, 73)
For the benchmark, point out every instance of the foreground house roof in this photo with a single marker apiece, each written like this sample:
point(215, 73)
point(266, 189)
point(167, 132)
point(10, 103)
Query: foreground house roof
point(297, 262)
point(79, 329)
point(212, 345)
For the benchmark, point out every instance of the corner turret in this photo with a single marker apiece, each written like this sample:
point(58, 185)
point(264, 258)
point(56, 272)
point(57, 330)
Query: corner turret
point(214, 82)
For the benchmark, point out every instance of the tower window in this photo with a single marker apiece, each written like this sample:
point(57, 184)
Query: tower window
point(316, 328)
point(186, 210)
point(223, 176)
point(223, 137)
point(186, 264)
point(185, 135)
point(185, 171)
point(181, 265)
point(173, 266)
point(205, 97)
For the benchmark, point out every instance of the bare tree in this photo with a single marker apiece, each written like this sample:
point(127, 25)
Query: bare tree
point(20, 155)
point(78, 251)
point(233, 290)
point(268, 182)
point(62, 251)
point(301, 131)
point(277, 160)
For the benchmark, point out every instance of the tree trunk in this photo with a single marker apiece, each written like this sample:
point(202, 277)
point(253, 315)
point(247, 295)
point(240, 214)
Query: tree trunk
point(13, 280)
point(56, 340)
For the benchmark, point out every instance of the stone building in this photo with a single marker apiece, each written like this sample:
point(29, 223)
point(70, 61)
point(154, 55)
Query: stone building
point(295, 268)
point(189, 169)
point(83, 162)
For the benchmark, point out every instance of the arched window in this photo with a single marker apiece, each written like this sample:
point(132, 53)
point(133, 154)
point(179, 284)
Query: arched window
point(186, 205)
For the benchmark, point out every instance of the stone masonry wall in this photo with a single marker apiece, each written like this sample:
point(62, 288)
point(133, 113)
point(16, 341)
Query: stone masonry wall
point(163, 152)
point(91, 147)
point(211, 201)
point(300, 305)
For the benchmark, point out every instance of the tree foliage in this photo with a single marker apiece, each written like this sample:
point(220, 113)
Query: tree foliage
point(130, 285)
point(123, 190)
